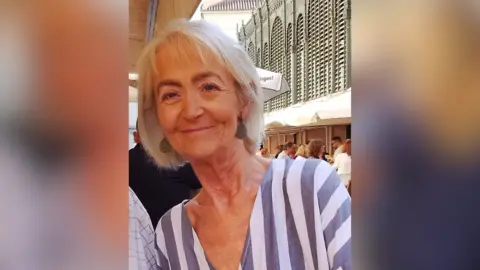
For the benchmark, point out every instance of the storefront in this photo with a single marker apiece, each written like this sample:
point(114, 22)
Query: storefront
point(321, 119)
point(301, 135)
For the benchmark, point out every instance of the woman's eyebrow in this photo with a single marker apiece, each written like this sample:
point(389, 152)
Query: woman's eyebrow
point(168, 82)
point(202, 75)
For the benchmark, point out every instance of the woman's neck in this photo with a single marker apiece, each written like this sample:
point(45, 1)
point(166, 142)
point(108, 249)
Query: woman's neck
point(229, 174)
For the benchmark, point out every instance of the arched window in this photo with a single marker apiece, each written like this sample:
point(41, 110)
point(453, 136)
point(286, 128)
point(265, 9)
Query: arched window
point(277, 60)
point(340, 83)
point(265, 57)
point(318, 52)
point(288, 62)
point(259, 54)
point(265, 65)
point(251, 52)
point(277, 50)
point(300, 59)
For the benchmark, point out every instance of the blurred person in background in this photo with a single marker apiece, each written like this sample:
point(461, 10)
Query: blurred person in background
point(324, 155)
point(288, 151)
point(343, 163)
point(264, 153)
point(201, 101)
point(301, 152)
point(159, 189)
point(260, 151)
point(278, 150)
point(314, 149)
point(294, 150)
point(337, 144)
point(141, 244)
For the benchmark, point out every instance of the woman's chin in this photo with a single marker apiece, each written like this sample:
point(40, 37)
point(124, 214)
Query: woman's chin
point(199, 153)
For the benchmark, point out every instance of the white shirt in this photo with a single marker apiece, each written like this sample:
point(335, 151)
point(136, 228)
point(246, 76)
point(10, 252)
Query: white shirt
point(282, 155)
point(343, 162)
point(337, 152)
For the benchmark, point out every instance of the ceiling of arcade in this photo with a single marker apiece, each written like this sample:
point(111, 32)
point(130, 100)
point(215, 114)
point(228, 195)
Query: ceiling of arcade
point(166, 10)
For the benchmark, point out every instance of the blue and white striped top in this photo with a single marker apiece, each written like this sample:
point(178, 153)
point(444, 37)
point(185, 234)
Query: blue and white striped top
point(300, 220)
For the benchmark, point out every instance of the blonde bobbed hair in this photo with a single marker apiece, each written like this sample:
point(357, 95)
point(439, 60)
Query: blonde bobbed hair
point(302, 151)
point(207, 40)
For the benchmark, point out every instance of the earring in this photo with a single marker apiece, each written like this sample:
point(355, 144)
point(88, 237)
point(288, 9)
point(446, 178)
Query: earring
point(241, 130)
point(165, 146)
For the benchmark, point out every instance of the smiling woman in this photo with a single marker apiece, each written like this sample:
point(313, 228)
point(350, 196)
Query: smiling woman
point(190, 60)
point(200, 101)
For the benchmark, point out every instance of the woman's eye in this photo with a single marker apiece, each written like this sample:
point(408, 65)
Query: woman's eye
point(169, 96)
point(210, 87)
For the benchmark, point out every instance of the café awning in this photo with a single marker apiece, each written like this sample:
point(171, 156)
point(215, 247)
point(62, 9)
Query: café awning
point(335, 106)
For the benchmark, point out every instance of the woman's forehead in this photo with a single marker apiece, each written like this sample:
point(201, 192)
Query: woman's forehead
point(182, 51)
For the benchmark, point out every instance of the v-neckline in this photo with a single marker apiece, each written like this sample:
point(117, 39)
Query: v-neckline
point(268, 175)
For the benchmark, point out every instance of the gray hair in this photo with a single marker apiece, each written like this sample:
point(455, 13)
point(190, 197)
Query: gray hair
point(206, 39)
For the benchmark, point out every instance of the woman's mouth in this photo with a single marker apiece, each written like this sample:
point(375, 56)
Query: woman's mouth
point(194, 130)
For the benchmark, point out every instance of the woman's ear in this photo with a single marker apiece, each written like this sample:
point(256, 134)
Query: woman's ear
point(245, 110)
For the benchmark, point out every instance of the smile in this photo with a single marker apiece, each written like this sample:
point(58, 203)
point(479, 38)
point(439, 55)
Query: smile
point(193, 130)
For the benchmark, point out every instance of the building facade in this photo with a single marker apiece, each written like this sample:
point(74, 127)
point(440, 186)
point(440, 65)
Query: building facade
point(229, 14)
point(308, 41)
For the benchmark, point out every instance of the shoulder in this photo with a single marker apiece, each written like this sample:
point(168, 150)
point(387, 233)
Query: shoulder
point(168, 221)
point(186, 170)
point(169, 228)
point(188, 175)
point(136, 207)
point(134, 152)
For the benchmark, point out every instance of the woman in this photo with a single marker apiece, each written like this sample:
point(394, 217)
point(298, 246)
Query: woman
point(200, 100)
point(314, 149)
point(324, 155)
point(343, 163)
point(279, 150)
point(301, 152)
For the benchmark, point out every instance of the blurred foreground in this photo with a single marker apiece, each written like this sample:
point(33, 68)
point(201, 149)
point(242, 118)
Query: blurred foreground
point(415, 110)
point(63, 116)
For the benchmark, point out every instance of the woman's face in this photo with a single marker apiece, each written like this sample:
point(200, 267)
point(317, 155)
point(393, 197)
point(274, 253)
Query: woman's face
point(197, 104)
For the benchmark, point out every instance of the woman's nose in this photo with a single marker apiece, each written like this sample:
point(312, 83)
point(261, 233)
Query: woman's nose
point(192, 105)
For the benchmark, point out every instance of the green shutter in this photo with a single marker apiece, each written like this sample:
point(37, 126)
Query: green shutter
point(277, 53)
point(288, 64)
point(300, 59)
point(340, 45)
point(251, 52)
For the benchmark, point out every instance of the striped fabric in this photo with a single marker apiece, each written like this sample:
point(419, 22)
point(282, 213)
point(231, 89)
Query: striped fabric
point(300, 220)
